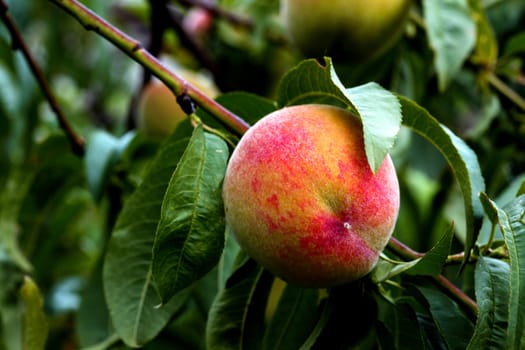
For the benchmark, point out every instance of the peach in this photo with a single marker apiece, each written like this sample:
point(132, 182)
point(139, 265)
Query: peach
point(354, 30)
point(158, 112)
point(302, 200)
point(198, 22)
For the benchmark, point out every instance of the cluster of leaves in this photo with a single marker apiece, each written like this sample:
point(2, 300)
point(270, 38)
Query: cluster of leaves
point(127, 246)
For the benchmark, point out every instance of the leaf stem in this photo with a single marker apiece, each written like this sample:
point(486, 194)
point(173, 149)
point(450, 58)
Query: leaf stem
point(491, 240)
point(237, 20)
point(133, 48)
point(18, 43)
point(195, 121)
point(216, 10)
point(504, 89)
point(403, 250)
point(460, 296)
point(406, 252)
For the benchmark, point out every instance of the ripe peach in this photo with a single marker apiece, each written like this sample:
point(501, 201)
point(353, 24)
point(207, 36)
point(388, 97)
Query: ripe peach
point(301, 199)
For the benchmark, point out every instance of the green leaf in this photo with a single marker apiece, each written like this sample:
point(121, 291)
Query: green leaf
point(453, 324)
point(386, 269)
point(12, 196)
point(511, 220)
point(385, 339)
point(103, 151)
point(311, 82)
point(35, 321)
point(462, 160)
point(294, 318)
point(11, 322)
point(130, 293)
point(521, 190)
point(93, 322)
point(379, 110)
point(409, 334)
point(492, 296)
point(515, 45)
point(51, 209)
point(486, 49)
point(236, 318)
point(226, 265)
point(190, 234)
point(326, 314)
point(432, 262)
point(489, 207)
point(491, 218)
point(105, 344)
point(451, 32)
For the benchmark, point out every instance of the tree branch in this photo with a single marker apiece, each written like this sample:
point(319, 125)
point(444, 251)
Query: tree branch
point(234, 19)
point(403, 250)
point(408, 253)
point(505, 90)
point(217, 11)
point(18, 43)
point(130, 46)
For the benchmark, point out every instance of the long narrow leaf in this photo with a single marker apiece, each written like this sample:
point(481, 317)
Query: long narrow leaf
point(451, 31)
point(236, 318)
point(462, 160)
point(511, 220)
point(492, 295)
point(35, 320)
point(432, 262)
point(128, 287)
point(190, 234)
point(453, 324)
point(293, 320)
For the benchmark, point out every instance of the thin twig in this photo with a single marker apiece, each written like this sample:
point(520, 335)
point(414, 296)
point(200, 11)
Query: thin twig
point(406, 252)
point(212, 7)
point(452, 289)
point(217, 11)
point(18, 43)
point(505, 90)
point(403, 250)
point(458, 258)
point(131, 47)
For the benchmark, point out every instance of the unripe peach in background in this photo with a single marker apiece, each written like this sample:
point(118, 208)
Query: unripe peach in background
point(158, 112)
point(301, 199)
point(354, 30)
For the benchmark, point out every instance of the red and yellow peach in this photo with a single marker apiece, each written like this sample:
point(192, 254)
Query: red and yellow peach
point(302, 200)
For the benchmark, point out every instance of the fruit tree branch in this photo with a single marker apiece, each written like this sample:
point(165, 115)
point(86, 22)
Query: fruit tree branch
point(403, 250)
point(217, 11)
point(406, 252)
point(505, 90)
point(233, 18)
point(18, 43)
point(131, 47)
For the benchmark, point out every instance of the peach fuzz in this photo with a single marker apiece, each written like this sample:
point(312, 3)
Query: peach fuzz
point(301, 199)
